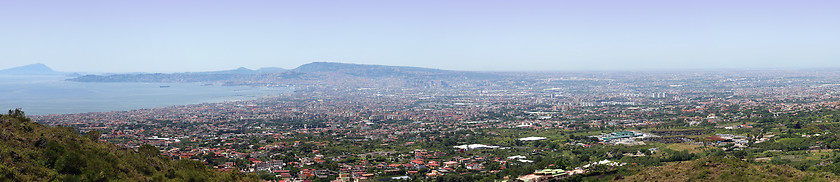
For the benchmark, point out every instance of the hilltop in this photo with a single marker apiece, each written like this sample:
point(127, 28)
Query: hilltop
point(32, 69)
point(33, 152)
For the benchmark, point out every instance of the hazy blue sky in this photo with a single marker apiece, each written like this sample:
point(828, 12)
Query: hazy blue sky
point(180, 35)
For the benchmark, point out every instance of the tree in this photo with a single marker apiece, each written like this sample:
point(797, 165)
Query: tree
point(18, 114)
point(70, 163)
point(93, 135)
point(148, 150)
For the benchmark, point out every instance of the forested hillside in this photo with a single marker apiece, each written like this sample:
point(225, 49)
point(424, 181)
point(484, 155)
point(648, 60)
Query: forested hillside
point(33, 152)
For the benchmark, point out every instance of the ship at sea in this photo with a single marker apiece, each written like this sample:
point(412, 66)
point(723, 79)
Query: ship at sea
point(164, 86)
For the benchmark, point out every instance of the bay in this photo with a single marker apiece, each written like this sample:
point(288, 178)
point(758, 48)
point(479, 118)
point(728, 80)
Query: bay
point(42, 95)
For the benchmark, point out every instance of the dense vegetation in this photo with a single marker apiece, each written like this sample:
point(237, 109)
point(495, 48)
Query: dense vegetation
point(725, 168)
point(33, 152)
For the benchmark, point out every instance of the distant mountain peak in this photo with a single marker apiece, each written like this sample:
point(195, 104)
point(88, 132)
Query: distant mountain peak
point(36, 66)
point(32, 69)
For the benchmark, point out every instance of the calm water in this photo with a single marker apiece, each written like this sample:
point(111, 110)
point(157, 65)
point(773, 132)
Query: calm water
point(51, 95)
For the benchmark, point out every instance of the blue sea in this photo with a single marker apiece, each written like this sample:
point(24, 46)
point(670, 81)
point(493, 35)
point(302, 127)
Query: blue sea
point(41, 95)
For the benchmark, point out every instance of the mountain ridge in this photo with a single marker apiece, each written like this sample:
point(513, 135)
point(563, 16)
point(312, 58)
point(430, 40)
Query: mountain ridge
point(240, 70)
point(336, 66)
point(309, 71)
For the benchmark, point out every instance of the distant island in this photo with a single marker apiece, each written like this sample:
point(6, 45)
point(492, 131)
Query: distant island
point(32, 69)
